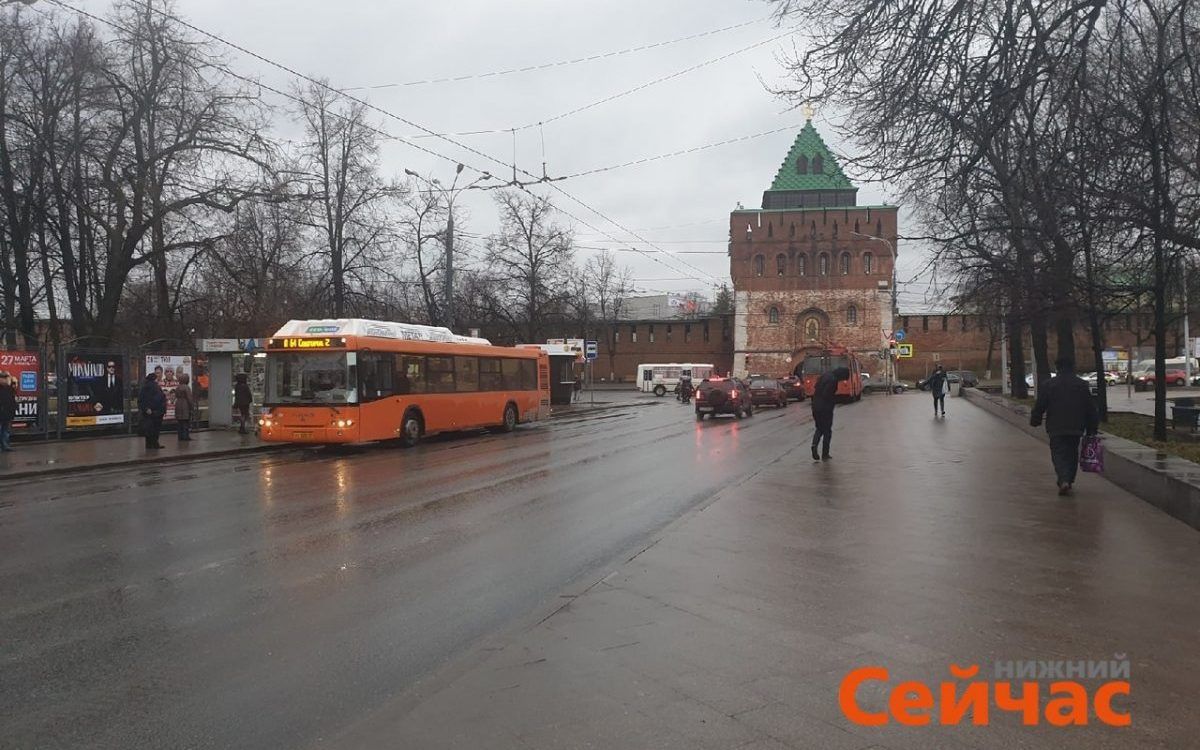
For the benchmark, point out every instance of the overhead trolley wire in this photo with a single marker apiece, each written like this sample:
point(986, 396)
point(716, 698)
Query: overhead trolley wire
point(621, 94)
point(410, 123)
point(559, 63)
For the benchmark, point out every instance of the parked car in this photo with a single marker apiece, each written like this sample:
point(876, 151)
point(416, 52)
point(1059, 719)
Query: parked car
point(1109, 379)
point(967, 378)
point(766, 391)
point(794, 388)
point(724, 396)
point(898, 386)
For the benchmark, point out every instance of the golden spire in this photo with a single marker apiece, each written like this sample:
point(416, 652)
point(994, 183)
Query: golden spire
point(808, 112)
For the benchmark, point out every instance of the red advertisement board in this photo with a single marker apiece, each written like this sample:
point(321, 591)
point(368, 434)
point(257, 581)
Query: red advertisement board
point(25, 368)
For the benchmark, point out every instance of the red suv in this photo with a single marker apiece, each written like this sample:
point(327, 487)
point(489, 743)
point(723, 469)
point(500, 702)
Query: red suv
point(724, 396)
point(765, 390)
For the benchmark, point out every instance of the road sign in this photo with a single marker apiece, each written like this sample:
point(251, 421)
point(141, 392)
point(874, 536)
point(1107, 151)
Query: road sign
point(590, 350)
point(906, 351)
point(899, 335)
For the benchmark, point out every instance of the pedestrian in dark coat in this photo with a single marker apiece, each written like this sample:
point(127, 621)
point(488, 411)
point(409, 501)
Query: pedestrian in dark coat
point(242, 399)
point(184, 408)
point(8, 410)
point(938, 387)
point(153, 404)
point(823, 400)
point(1065, 401)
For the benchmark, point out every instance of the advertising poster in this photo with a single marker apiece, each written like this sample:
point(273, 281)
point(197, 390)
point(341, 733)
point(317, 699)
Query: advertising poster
point(169, 368)
point(26, 371)
point(95, 390)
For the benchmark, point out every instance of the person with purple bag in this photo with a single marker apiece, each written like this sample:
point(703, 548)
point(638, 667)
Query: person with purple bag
point(1065, 401)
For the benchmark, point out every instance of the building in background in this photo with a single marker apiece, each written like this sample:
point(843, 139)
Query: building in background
point(664, 306)
point(807, 270)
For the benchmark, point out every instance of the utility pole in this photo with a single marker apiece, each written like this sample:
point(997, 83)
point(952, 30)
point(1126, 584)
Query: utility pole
point(1187, 336)
point(448, 305)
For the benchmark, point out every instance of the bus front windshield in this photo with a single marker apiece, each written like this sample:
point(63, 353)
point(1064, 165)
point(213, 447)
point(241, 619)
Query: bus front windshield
point(309, 378)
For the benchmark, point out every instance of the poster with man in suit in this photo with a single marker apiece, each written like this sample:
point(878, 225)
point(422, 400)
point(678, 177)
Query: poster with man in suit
point(95, 390)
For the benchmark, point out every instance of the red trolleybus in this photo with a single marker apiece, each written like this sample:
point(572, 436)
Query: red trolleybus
point(353, 381)
point(818, 361)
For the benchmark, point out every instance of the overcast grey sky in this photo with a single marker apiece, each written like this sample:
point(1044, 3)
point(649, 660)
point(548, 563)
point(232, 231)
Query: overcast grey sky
point(373, 43)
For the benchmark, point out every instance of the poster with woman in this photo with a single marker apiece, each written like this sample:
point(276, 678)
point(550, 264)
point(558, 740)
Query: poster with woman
point(169, 368)
point(25, 369)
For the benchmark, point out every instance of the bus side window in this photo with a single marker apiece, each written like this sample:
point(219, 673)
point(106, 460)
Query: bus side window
point(410, 377)
point(440, 375)
point(375, 372)
point(491, 376)
point(528, 375)
point(512, 374)
point(466, 373)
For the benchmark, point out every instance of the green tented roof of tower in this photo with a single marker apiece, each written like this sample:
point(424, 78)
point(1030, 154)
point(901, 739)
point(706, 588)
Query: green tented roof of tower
point(809, 144)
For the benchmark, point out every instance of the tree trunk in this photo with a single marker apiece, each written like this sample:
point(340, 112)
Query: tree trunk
point(1016, 357)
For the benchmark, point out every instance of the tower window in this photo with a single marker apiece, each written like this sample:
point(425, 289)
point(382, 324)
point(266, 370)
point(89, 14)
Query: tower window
point(818, 165)
point(792, 230)
point(773, 316)
point(823, 264)
point(759, 264)
point(802, 165)
point(801, 263)
point(852, 315)
point(868, 264)
point(845, 263)
point(780, 264)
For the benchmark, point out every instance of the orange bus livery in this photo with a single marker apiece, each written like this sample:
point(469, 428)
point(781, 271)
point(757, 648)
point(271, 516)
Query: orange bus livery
point(818, 361)
point(355, 381)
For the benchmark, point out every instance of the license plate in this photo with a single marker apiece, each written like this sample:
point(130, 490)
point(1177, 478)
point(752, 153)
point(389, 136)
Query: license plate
point(302, 434)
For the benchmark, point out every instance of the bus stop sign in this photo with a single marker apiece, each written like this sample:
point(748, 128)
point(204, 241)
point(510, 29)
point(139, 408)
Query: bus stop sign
point(590, 350)
point(906, 351)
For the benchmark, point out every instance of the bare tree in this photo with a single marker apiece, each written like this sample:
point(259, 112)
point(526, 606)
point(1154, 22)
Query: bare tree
point(530, 259)
point(340, 166)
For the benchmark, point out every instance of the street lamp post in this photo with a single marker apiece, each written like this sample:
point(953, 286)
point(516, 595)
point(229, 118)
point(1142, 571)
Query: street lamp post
point(892, 318)
point(451, 193)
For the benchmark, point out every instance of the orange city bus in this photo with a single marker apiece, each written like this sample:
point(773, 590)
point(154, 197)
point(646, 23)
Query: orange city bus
point(353, 381)
point(818, 361)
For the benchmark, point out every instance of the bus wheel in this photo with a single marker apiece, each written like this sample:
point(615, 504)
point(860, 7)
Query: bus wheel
point(410, 429)
point(510, 418)
point(660, 390)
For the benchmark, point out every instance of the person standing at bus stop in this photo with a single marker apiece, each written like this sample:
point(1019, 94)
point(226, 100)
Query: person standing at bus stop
point(153, 404)
point(938, 387)
point(242, 398)
point(183, 407)
point(823, 401)
point(8, 410)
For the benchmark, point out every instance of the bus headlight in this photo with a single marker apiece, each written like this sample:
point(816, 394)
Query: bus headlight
point(341, 423)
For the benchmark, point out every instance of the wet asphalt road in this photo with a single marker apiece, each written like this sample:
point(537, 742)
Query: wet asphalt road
point(270, 601)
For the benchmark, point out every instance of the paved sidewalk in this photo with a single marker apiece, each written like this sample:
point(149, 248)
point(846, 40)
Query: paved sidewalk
point(924, 543)
point(81, 454)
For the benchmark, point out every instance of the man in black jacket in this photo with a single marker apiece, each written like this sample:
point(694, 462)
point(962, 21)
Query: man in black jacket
point(1065, 400)
point(153, 403)
point(938, 387)
point(823, 400)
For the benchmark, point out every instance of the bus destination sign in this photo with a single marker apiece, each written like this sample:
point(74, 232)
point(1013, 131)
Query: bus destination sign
point(296, 342)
